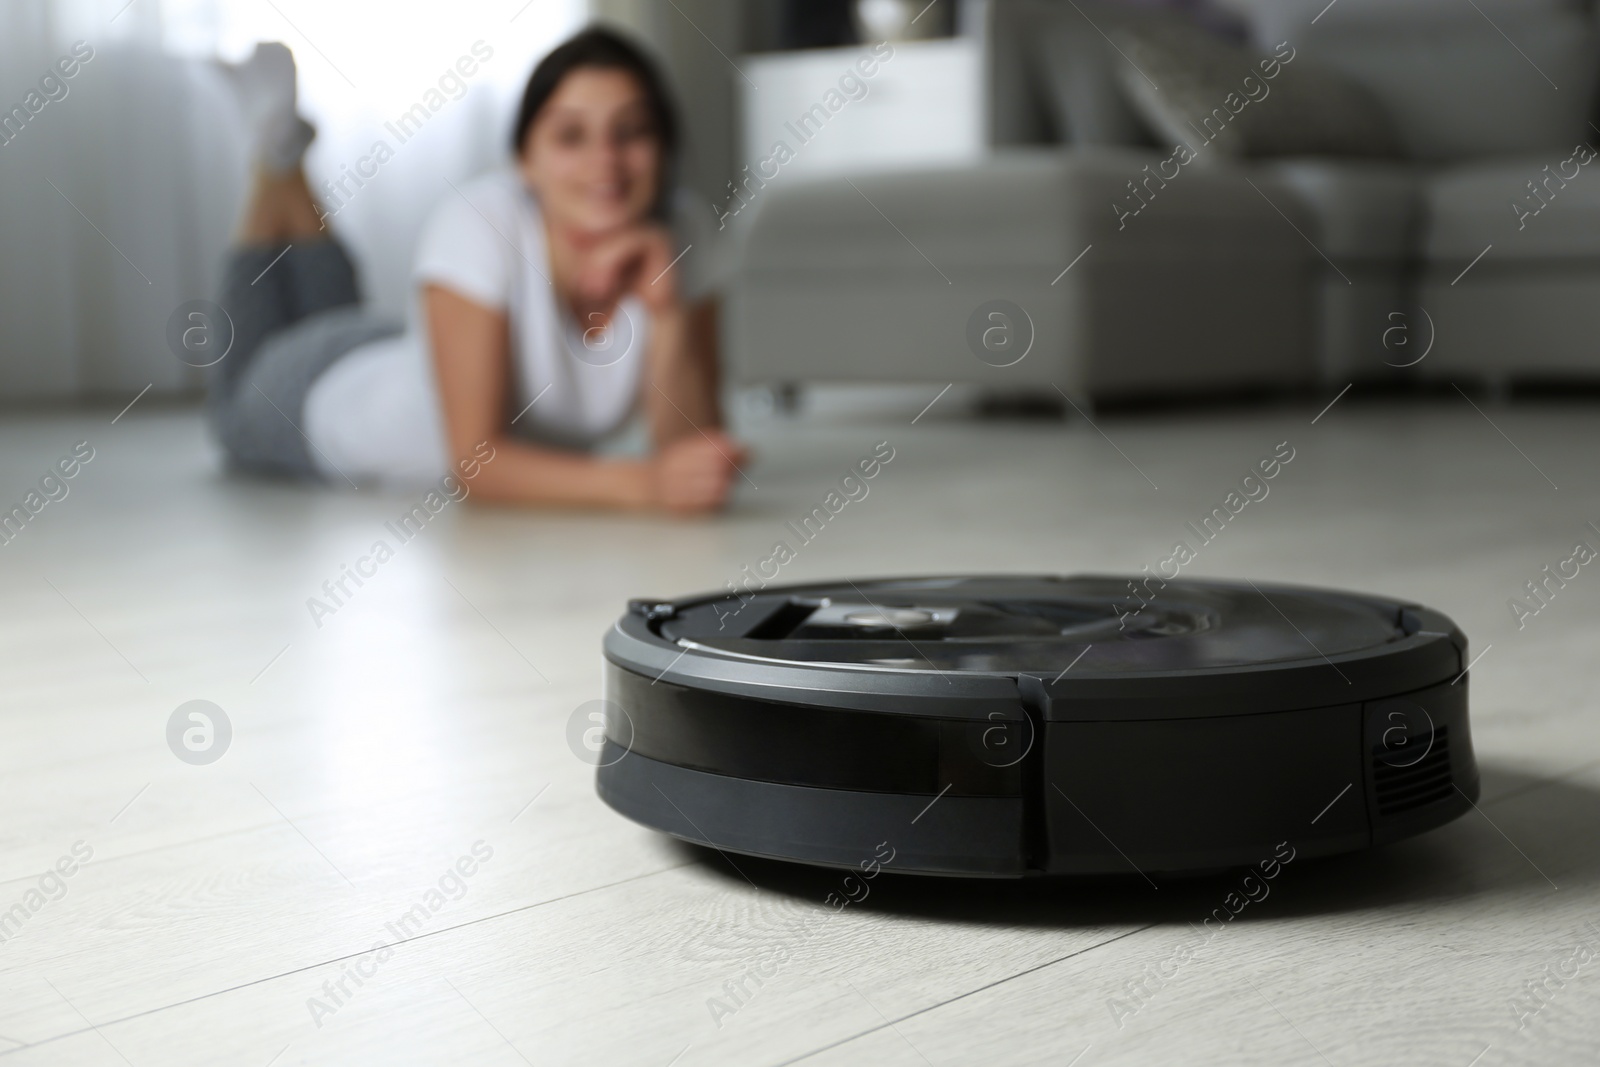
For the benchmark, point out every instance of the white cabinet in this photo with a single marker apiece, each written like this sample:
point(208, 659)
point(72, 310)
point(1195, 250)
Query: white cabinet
point(819, 112)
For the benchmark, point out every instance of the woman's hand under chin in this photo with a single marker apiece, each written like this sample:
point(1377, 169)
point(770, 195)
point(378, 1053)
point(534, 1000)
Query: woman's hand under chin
point(631, 262)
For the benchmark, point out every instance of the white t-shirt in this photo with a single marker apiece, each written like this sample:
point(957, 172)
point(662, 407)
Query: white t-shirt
point(375, 414)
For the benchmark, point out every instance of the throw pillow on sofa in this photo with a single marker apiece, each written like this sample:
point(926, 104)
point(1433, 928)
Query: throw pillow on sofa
point(1195, 89)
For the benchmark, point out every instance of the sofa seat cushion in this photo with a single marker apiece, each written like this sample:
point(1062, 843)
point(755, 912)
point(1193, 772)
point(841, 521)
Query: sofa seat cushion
point(1471, 206)
point(1361, 210)
point(1038, 208)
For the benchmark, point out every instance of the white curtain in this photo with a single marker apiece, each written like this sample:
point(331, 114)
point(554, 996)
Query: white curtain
point(120, 192)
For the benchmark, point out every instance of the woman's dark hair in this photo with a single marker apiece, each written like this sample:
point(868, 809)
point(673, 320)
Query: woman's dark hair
point(608, 50)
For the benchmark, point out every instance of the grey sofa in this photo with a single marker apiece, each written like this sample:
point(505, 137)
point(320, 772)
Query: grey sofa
point(1260, 272)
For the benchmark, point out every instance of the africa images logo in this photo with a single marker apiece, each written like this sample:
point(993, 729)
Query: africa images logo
point(592, 724)
point(199, 732)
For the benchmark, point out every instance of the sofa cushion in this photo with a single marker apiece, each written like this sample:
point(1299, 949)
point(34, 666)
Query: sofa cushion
point(1194, 88)
point(1459, 80)
point(1361, 209)
point(1470, 206)
point(1038, 207)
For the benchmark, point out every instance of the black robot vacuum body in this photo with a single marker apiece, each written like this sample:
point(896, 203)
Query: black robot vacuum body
point(1006, 726)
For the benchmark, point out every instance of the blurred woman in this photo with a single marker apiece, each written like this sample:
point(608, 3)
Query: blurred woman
point(549, 307)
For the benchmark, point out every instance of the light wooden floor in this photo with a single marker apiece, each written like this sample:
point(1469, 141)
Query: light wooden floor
point(430, 714)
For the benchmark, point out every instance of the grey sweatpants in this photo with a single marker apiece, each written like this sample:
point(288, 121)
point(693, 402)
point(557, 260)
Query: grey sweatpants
point(289, 325)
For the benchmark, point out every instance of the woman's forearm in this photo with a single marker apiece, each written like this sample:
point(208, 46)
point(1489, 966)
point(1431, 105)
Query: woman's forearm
point(524, 474)
point(470, 347)
point(680, 396)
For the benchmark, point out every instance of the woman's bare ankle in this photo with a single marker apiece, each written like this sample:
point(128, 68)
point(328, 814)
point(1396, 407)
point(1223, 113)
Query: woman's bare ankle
point(281, 208)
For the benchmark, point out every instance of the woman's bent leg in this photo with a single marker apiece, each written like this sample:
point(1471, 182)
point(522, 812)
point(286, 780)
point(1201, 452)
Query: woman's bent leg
point(257, 305)
point(260, 422)
point(320, 277)
point(267, 289)
point(284, 267)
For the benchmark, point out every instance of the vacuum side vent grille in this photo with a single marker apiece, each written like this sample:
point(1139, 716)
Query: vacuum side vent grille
point(1426, 781)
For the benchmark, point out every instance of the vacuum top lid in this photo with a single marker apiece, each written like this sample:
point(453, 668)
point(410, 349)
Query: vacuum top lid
point(1034, 625)
point(1169, 650)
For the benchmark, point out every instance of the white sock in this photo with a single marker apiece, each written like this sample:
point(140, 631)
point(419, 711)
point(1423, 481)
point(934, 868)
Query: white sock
point(264, 86)
point(283, 145)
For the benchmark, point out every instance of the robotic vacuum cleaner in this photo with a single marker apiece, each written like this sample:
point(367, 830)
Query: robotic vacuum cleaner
point(1008, 726)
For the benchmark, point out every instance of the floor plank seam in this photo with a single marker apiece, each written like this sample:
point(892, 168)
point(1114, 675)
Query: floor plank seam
point(962, 996)
point(158, 848)
point(337, 959)
point(177, 844)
